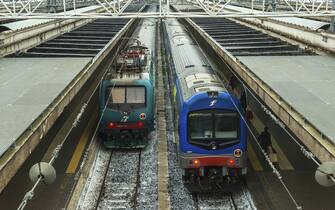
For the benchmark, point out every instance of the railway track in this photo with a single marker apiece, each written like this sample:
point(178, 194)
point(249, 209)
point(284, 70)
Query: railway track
point(239, 199)
point(121, 181)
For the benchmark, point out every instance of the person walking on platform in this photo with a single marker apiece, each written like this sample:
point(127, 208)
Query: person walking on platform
point(243, 99)
point(264, 139)
point(233, 82)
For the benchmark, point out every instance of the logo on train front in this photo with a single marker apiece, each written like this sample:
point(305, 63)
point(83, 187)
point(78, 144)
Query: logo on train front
point(213, 102)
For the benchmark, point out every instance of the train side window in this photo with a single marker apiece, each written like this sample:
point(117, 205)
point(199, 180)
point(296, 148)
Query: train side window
point(136, 95)
point(118, 95)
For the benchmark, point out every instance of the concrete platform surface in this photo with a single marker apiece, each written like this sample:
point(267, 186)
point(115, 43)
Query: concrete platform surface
point(27, 87)
point(307, 83)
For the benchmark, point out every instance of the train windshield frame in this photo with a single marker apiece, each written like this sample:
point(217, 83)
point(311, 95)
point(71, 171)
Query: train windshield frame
point(206, 128)
point(126, 97)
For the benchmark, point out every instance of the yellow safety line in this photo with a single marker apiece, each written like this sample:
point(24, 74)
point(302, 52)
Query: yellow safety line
point(256, 164)
point(71, 168)
point(65, 181)
point(283, 162)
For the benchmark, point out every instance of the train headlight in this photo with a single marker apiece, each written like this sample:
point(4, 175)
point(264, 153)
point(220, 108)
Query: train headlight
point(111, 125)
point(143, 116)
point(230, 162)
point(139, 124)
point(237, 153)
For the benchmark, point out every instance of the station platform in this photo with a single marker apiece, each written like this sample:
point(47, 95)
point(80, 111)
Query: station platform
point(27, 88)
point(305, 82)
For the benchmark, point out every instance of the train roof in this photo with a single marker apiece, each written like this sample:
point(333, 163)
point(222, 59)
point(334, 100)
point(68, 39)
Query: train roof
point(192, 68)
point(137, 80)
point(135, 62)
point(130, 76)
point(146, 33)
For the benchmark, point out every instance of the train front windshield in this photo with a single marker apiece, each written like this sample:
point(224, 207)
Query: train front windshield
point(126, 97)
point(206, 127)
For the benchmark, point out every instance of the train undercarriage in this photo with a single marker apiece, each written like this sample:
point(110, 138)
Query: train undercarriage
point(215, 178)
point(125, 138)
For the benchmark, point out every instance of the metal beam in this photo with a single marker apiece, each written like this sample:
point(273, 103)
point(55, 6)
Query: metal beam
point(164, 15)
point(210, 8)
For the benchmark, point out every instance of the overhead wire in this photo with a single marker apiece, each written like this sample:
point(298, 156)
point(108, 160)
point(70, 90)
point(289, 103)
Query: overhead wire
point(267, 158)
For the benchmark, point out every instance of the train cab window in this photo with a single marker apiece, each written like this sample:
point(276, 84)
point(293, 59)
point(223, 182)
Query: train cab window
point(208, 126)
point(136, 95)
point(118, 95)
point(126, 97)
point(200, 125)
point(226, 125)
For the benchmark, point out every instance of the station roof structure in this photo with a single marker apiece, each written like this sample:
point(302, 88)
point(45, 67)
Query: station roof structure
point(307, 83)
point(27, 87)
point(208, 8)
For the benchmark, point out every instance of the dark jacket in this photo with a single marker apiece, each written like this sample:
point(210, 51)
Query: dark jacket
point(243, 100)
point(264, 140)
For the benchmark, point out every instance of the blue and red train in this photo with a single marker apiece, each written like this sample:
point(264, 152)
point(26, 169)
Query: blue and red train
point(212, 133)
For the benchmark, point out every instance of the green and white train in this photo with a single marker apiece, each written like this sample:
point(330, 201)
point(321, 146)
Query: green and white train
point(127, 95)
